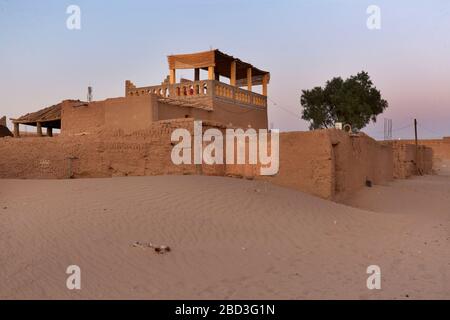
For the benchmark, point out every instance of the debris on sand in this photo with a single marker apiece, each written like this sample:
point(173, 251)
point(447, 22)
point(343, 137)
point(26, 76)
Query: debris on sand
point(162, 249)
point(157, 249)
point(141, 245)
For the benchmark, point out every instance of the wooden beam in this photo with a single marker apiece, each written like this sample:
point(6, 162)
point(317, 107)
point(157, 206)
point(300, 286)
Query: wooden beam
point(249, 79)
point(50, 131)
point(233, 73)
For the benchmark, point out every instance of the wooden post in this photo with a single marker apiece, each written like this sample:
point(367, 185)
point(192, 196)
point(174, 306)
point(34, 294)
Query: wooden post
point(417, 148)
point(415, 131)
point(217, 76)
point(39, 129)
point(16, 130)
point(196, 74)
point(264, 85)
point(249, 79)
point(233, 73)
point(50, 131)
point(211, 73)
point(172, 77)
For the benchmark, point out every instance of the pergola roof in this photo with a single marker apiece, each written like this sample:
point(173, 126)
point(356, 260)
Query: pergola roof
point(221, 63)
point(49, 117)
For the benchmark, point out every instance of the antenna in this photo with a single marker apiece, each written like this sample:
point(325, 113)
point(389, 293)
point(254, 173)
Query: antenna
point(387, 129)
point(89, 94)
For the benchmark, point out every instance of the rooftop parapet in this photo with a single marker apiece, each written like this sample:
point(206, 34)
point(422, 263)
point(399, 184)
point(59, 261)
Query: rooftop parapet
point(204, 91)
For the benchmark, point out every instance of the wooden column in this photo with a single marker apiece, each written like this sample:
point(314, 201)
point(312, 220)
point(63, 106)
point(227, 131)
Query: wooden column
point(211, 73)
point(16, 130)
point(39, 129)
point(249, 79)
point(417, 148)
point(196, 74)
point(172, 77)
point(233, 73)
point(50, 132)
point(264, 84)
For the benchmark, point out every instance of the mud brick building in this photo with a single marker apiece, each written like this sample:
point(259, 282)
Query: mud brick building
point(233, 104)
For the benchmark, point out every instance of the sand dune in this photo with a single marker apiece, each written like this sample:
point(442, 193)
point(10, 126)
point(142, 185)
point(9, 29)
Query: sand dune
point(230, 239)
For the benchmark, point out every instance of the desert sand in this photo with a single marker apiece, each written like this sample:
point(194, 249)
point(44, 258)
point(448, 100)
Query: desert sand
point(229, 239)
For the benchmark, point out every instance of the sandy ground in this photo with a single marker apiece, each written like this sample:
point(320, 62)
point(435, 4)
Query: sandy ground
point(230, 239)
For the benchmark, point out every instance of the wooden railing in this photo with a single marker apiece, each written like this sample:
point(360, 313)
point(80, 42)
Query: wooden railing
point(239, 95)
point(202, 88)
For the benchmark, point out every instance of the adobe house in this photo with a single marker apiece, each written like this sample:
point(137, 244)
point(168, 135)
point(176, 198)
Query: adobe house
point(49, 118)
point(233, 104)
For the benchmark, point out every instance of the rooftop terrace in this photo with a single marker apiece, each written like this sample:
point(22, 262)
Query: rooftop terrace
point(241, 74)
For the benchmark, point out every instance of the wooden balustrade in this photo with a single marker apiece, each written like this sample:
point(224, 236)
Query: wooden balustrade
point(203, 88)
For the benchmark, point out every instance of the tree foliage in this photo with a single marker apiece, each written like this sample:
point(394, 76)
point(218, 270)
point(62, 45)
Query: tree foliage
point(355, 101)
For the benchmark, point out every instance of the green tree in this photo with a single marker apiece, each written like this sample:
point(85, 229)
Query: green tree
point(355, 101)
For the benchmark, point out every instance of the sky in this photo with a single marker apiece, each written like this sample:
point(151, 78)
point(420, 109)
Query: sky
point(303, 43)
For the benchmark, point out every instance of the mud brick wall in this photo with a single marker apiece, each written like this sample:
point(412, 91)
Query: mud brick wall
point(407, 162)
point(330, 164)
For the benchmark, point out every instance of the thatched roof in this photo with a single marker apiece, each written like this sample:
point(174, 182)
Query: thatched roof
point(221, 63)
point(49, 117)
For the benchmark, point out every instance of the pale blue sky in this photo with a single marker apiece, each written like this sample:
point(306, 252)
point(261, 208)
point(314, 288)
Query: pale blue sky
point(302, 44)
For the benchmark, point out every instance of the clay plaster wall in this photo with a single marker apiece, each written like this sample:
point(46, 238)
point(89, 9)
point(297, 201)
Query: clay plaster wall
point(440, 150)
point(327, 163)
point(128, 114)
point(110, 152)
point(137, 112)
point(224, 112)
point(407, 163)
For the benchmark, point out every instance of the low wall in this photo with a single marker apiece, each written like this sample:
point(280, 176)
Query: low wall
point(108, 153)
point(359, 160)
point(327, 163)
point(441, 153)
point(409, 162)
point(305, 163)
point(330, 164)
